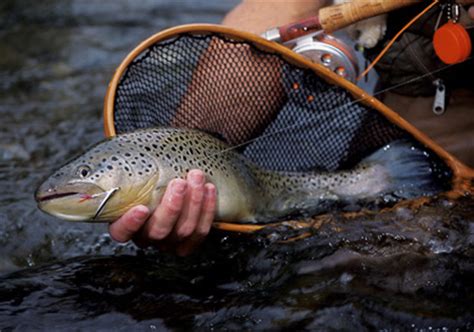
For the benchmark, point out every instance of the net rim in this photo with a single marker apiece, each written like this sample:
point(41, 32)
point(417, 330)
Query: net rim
point(461, 172)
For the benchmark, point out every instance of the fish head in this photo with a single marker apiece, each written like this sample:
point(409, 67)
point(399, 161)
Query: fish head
point(100, 185)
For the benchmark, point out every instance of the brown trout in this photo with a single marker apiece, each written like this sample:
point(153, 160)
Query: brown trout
point(135, 168)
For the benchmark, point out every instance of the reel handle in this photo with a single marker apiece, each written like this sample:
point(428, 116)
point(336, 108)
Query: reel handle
point(336, 17)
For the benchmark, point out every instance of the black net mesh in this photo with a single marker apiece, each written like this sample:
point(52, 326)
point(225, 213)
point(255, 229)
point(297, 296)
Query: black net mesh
point(283, 117)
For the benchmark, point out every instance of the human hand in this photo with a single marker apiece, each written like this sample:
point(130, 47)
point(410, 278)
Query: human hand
point(471, 12)
point(180, 222)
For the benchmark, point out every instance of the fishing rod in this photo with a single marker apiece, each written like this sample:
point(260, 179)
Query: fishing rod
point(336, 17)
point(311, 36)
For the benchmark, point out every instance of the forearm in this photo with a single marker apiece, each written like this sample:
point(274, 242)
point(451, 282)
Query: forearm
point(258, 16)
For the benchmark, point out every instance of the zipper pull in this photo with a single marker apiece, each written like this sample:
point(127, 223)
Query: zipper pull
point(439, 105)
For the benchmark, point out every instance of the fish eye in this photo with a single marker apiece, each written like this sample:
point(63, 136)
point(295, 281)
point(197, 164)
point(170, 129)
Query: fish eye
point(84, 171)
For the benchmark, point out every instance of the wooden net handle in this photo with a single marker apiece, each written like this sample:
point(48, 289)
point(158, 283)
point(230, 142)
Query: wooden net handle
point(336, 17)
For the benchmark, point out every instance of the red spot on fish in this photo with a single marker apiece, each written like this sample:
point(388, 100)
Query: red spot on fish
point(84, 197)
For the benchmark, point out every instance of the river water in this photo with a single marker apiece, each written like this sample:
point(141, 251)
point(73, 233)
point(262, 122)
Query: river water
point(397, 270)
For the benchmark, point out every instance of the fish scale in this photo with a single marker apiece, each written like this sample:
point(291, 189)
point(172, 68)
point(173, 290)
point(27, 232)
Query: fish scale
point(135, 168)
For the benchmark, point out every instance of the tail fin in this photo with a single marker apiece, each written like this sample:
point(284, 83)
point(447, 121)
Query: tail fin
point(411, 171)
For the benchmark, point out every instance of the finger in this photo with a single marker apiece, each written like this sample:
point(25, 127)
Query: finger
point(124, 228)
point(208, 210)
point(162, 221)
point(192, 208)
point(204, 225)
point(471, 12)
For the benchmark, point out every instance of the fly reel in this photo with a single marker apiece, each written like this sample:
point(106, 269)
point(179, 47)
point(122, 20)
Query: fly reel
point(329, 51)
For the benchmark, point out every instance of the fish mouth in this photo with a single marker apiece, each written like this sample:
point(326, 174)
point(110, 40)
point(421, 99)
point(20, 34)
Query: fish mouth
point(77, 201)
point(55, 196)
point(47, 193)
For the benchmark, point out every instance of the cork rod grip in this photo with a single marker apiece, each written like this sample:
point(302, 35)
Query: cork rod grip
point(336, 17)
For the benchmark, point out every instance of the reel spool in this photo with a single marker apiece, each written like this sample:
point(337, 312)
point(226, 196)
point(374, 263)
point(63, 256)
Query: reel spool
point(329, 51)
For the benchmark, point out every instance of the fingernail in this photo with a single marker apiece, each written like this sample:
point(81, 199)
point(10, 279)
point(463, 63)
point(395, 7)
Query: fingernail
point(140, 213)
point(178, 187)
point(196, 177)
